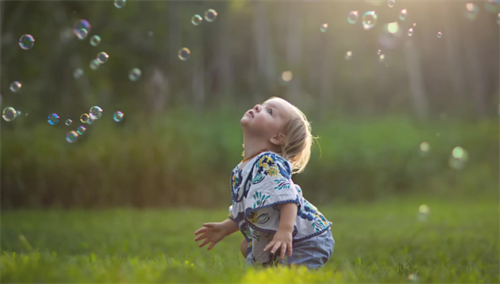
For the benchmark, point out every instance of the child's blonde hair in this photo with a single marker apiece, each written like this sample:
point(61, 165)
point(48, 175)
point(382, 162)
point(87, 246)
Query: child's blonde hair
point(299, 140)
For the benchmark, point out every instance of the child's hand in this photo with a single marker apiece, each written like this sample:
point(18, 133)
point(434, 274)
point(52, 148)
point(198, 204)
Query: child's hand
point(211, 232)
point(281, 239)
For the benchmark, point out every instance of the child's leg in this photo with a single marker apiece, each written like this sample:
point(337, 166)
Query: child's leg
point(243, 247)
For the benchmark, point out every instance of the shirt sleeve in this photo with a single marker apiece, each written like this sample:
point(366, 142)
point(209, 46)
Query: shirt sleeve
point(271, 185)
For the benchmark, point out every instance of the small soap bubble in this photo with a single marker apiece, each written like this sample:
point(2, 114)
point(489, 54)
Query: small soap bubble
point(439, 34)
point(393, 27)
point(391, 3)
point(150, 33)
point(471, 11)
point(458, 158)
point(81, 129)
point(425, 146)
point(414, 24)
point(84, 117)
point(379, 52)
point(26, 41)
point(15, 86)
point(53, 119)
point(9, 114)
point(78, 73)
point(120, 3)
point(134, 74)
point(96, 111)
point(210, 15)
point(94, 64)
point(412, 277)
point(352, 17)
point(102, 57)
point(287, 76)
point(18, 113)
point(184, 54)
point(423, 213)
point(381, 58)
point(81, 29)
point(118, 116)
point(410, 31)
point(369, 20)
point(491, 6)
point(403, 14)
point(196, 20)
point(348, 55)
point(323, 27)
point(68, 122)
point(95, 40)
point(71, 136)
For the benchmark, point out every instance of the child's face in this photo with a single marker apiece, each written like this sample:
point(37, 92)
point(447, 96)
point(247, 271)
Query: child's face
point(266, 120)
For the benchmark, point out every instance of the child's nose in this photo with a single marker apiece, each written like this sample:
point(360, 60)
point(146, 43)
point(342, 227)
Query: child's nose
point(256, 108)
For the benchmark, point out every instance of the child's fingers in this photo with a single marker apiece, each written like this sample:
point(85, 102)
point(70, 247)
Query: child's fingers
point(200, 230)
point(206, 241)
point(200, 237)
point(283, 250)
point(276, 247)
point(269, 245)
point(211, 246)
point(209, 225)
point(290, 249)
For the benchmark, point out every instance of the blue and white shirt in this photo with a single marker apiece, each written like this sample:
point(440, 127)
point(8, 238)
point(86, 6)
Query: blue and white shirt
point(259, 188)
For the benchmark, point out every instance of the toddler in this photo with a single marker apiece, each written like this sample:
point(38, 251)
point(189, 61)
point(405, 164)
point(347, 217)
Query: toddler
point(267, 207)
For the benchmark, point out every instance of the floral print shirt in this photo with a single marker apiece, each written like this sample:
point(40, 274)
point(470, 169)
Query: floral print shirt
point(259, 188)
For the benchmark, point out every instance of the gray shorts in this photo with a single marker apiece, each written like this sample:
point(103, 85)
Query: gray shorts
point(313, 252)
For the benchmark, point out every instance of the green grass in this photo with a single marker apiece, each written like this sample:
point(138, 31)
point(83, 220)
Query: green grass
point(375, 242)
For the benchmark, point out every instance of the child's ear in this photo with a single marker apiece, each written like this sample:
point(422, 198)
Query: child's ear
point(278, 139)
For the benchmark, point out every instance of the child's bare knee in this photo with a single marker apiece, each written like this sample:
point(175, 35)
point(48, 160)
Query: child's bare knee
point(243, 247)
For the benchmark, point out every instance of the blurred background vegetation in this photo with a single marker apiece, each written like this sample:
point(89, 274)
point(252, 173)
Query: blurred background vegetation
point(181, 136)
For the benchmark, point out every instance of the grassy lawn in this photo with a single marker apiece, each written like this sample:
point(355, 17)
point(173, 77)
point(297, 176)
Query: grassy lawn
point(375, 242)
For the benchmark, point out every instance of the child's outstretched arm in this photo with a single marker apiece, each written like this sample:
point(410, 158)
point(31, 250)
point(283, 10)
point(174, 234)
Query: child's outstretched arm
point(283, 237)
point(215, 232)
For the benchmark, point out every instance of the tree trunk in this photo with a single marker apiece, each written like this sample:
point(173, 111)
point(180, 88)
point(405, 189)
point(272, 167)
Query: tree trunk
point(417, 88)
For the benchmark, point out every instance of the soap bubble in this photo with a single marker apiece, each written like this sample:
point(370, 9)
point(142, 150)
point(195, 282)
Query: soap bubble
point(287, 76)
point(102, 57)
point(369, 20)
point(210, 15)
point(471, 11)
point(96, 111)
point(94, 64)
point(78, 73)
point(410, 32)
point(440, 34)
point(134, 74)
point(95, 40)
point(458, 158)
point(84, 117)
point(26, 41)
point(184, 54)
point(71, 136)
point(81, 29)
point(391, 3)
point(323, 27)
point(118, 116)
point(381, 57)
point(348, 55)
point(352, 17)
point(120, 3)
point(403, 14)
point(196, 20)
point(9, 114)
point(491, 6)
point(68, 122)
point(414, 24)
point(423, 212)
point(53, 119)
point(413, 277)
point(81, 129)
point(425, 146)
point(15, 86)
point(379, 52)
point(18, 113)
